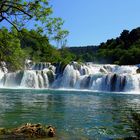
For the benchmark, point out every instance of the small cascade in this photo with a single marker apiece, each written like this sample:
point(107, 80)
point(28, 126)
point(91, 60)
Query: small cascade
point(29, 65)
point(12, 79)
point(30, 78)
point(132, 83)
point(74, 75)
point(83, 82)
point(37, 79)
point(40, 66)
point(96, 82)
point(70, 76)
point(113, 82)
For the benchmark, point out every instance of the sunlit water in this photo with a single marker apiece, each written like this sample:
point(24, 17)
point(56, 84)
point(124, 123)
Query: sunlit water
point(75, 114)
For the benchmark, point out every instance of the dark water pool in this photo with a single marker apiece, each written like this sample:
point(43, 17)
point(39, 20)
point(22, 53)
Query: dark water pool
point(75, 114)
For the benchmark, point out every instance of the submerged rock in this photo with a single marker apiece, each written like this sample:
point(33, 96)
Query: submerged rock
point(29, 131)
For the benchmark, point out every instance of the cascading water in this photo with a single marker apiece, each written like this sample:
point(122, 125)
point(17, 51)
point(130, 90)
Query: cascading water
point(76, 76)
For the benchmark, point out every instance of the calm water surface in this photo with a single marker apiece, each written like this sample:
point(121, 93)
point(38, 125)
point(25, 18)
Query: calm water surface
point(75, 114)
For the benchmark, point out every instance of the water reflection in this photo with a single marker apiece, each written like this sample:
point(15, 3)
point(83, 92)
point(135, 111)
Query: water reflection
point(83, 114)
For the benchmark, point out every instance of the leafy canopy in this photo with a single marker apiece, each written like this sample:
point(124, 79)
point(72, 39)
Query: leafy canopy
point(10, 50)
point(19, 12)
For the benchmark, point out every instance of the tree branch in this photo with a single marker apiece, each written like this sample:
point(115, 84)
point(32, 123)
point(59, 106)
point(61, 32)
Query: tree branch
point(2, 18)
point(11, 23)
point(11, 6)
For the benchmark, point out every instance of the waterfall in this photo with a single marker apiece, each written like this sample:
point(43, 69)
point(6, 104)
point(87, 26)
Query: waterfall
point(133, 83)
point(1, 77)
point(12, 79)
point(75, 75)
point(70, 76)
point(37, 79)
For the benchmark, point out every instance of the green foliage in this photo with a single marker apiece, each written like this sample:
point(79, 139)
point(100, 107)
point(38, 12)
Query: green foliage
point(37, 47)
point(16, 47)
point(54, 31)
point(84, 54)
point(66, 56)
point(124, 50)
point(10, 50)
point(19, 12)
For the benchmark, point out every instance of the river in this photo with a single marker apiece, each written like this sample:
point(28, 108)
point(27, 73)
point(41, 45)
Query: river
point(75, 114)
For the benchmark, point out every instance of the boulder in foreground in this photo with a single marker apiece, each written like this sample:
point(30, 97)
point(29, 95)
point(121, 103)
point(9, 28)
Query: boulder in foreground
point(28, 131)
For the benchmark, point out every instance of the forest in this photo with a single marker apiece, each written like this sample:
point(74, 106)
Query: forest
point(30, 44)
point(16, 47)
point(123, 50)
point(18, 43)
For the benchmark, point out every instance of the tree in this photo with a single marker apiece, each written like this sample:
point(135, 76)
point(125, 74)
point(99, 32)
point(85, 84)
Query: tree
point(60, 38)
point(19, 12)
point(10, 50)
point(55, 31)
point(39, 12)
point(66, 56)
point(134, 35)
point(124, 35)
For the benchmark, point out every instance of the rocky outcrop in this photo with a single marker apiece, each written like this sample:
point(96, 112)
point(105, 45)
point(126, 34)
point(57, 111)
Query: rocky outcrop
point(138, 70)
point(28, 131)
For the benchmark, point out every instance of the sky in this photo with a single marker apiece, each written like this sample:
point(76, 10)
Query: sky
point(91, 22)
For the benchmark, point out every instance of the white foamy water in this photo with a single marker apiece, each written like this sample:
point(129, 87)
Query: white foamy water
point(75, 76)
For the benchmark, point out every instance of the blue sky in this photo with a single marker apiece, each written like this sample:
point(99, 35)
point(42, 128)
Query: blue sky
point(91, 22)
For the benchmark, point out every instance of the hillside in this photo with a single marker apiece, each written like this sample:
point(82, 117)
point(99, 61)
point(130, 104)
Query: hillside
point(84, 53)
point(17, 47)
point(123, 50)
